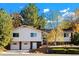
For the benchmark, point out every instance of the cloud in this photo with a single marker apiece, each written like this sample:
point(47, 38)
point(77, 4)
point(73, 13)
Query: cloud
point(65, 14)
point(65, 10)
point(68, 14)
point(50, 21)
point(46, 10)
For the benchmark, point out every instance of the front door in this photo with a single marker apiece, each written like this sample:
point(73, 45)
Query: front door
point(34, 45)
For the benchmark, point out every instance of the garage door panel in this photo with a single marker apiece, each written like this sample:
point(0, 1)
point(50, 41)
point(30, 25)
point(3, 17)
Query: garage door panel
point(14, 46)
point(25, 45)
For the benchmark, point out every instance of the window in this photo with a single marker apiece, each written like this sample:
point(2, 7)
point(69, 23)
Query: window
point(15, 34)
point(25, 43)
point(14, 43)
point(66, 34)
point(33, 34)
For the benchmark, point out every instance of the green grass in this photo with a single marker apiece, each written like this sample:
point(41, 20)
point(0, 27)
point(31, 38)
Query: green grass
point(74, 49)
point(57, 49)
point(66, 50)
point(61, 48)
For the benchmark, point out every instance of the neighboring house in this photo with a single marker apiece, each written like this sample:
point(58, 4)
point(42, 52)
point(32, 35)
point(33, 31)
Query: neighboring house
point(64, 37)
point(26, 38)
point(68, 35)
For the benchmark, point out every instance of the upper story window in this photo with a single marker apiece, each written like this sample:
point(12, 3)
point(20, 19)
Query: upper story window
point(33, 34)
point(15, 34)
point(66, 34)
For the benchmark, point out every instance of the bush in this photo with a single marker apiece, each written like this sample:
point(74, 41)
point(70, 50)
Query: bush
point(75, 39)
point(2, 49)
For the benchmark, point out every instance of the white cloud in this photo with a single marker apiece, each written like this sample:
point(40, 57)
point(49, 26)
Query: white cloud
point(69, 14)
point(65, 14)
point(46, 10)
point(65, 10)
point(50, 21)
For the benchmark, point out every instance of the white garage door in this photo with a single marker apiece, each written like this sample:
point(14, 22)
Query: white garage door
point(25, 45)
point(14, 46)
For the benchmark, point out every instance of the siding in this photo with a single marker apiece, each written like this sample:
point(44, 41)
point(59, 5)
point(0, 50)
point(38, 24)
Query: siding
point(24, 34)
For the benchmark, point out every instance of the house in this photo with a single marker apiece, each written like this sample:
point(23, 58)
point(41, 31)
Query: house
point(64, 37)
point(26, 38)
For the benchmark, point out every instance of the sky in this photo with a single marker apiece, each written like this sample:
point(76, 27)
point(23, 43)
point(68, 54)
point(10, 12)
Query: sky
point(43, 7)
point(64, 8)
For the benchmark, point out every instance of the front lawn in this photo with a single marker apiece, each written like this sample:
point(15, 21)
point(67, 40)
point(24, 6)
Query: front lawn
point(61, 50)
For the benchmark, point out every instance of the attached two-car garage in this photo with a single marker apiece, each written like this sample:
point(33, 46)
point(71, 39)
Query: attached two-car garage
point(23, 45)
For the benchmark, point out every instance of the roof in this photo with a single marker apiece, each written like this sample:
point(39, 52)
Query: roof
point(25, 26)
point(69, 29)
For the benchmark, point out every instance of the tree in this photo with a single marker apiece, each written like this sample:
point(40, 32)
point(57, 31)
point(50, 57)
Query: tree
point(30, 14)
point(55, 35)
point(31, 17)
point(5, 28)
point(77, 12)
point(17, 20)
point(75, 39)
point(76, 26)
point(76, 22)
point(53, 17)
point(41, 22)
point(65, 24)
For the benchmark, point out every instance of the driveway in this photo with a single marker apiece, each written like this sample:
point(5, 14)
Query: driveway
point(19, 53)
point(26, 53)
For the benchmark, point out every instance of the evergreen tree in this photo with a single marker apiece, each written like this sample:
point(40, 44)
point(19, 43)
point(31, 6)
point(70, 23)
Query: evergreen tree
point(30, 14)
point(75, 39)
point(31, 17)
point(17, 20)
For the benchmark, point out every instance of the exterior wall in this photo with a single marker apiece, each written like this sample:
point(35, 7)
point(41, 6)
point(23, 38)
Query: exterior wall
point(14, 47)
point(25, 34)
point(62, 38)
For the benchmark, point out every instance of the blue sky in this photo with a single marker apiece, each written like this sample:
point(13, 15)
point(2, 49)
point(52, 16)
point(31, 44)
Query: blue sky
point(64, 8)
point(17, 7)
